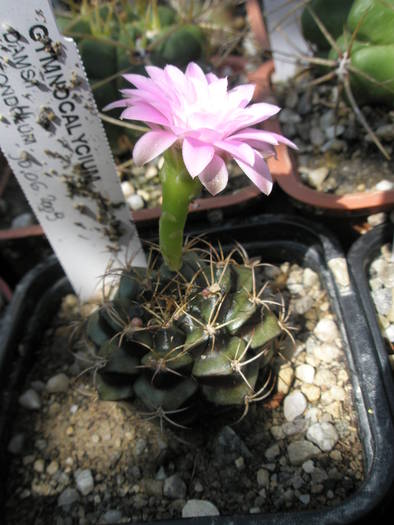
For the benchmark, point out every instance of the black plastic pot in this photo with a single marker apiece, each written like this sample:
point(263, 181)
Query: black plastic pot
point(360, 257)
point(275, 238)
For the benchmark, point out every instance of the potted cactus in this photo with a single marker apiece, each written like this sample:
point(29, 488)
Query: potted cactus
point(194, 318)
point(353, 46)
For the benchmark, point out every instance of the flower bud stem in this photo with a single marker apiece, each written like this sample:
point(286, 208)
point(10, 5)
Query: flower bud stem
point(178, 189)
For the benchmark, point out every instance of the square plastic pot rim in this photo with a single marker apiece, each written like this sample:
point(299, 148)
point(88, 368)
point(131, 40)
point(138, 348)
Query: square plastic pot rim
point(301, 240)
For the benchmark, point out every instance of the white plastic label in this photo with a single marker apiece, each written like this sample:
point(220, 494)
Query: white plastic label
point(55, 144)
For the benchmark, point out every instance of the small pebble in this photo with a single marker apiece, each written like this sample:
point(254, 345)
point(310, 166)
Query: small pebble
point(111, 517)
point(285, 379)
point(136, 202)
point(311, 392)
point(127, 189)
point(272, 452)
point(263, 478)
point(240, 463)
point(294, 405)
point(324, 435)
point(174, 487)
point(67, 497)
point(52, 468)
point(39, 466)
point(304, 498)
point(57, 383)
point(16, 443)
point(84, 481)
point(30, 400)
point(197, 507)
point(376, 219)
point(305, 373)
point(308, 466)
point(326, 331)
point(300, 451)
point(384, 185)
point(23, 220)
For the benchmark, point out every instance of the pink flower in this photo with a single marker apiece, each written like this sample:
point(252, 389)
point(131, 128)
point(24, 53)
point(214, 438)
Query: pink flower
point(208, 121)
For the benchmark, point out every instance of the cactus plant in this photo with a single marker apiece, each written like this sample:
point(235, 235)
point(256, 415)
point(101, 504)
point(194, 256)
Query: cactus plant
point(361, 61)
point(194, 324)
point(184, 341)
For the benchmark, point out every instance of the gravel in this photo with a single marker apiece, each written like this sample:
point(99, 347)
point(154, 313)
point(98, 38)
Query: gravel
point(381, 281)
point(336, 154)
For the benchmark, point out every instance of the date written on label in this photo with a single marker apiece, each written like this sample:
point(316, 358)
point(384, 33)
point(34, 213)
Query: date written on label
point(47, 206)
point(47, 203)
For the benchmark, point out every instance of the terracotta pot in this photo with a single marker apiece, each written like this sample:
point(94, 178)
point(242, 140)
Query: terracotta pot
point(284, 170)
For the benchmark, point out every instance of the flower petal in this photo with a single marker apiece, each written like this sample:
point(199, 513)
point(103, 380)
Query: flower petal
point(255, 134)
point(196, 155)
point(139, 81)
point(144, 112)
point(251, 115)
point(218, 90)
point(241, 150)
point(204, 134)
point(211, 77)
point(175, 75)
point(262, 136)
point(215, 176)
point(193, 71)
point(258, 173)
point(122, 103)
point(240, 96)
point(155, 73)
point(151, 145)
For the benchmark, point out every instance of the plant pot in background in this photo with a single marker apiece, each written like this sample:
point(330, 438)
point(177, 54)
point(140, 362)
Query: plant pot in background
point(276, 239)
point(285, 172)
point(362, 253)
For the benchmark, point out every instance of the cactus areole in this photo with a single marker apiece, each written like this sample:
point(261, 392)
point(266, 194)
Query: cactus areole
point(195, 325)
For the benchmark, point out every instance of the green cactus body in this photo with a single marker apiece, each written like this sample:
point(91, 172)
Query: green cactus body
point(378, 63)
point(373, 61)
point(178, 340)
point(373, 20)
point(100, 68)
point(180, 47)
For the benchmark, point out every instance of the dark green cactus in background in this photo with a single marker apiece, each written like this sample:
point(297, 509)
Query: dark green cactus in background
point(183, 341)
